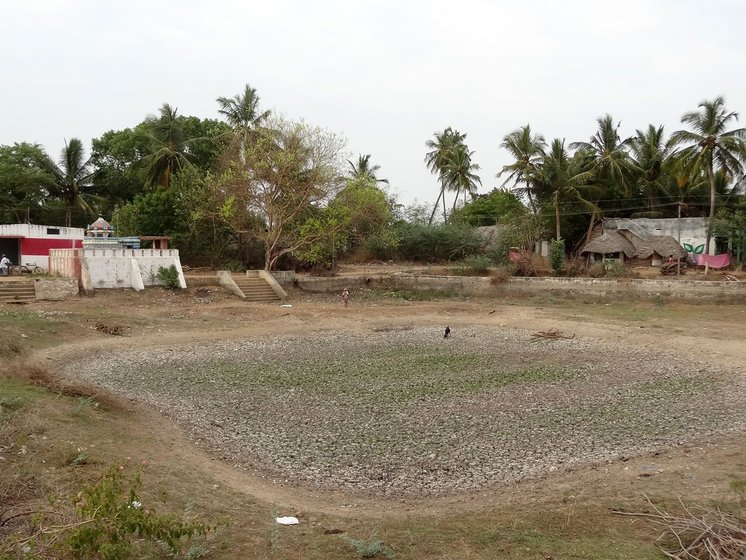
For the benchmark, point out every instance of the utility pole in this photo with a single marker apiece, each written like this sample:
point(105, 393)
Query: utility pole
point(678, 238)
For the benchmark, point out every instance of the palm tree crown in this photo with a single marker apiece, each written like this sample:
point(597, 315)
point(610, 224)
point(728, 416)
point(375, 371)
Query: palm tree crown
point(563, 178)
point(611, 162)
point(459, 173)
point(649, 155)
point(527, 150)
point(242, 111)
point(710, 147)
point(169, 147)
point(364, 170)
point(71, 178)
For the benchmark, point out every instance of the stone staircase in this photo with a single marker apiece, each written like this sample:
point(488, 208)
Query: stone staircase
point(255, 288)
point(17, 291)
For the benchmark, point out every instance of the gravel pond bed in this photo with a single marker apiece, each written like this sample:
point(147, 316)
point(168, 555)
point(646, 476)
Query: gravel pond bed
point(405, 412)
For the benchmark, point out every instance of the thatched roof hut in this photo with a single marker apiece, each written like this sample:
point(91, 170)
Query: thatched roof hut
point(610, 242)
point(663, 245)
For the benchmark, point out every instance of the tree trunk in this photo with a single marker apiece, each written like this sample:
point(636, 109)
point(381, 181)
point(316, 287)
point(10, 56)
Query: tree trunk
point(711, 177)
point(590, 226)
point(557, 217)
point(530, 197)
point(435, 208)
point(445, 216)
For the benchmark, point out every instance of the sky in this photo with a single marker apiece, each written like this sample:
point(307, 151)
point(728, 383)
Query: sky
point(385, 74)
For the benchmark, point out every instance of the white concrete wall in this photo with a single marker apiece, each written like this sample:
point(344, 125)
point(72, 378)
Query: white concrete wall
point(40, 232)
point(129, 268)
point(64, 262)
point(693, 230)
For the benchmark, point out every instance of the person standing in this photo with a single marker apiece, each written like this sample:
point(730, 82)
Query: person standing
point(4, 266)
point(346, 296)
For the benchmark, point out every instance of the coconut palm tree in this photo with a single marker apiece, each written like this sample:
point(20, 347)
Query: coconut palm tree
point(650, 154)
point(527, 150)
point(460, 173)
point(71, 178)
point(364, 170)
point(436, 160)
point(242, 113)
point(563, 178)
point(169, 147)
point(710, 147)
point(612, 165)
point(606, 154)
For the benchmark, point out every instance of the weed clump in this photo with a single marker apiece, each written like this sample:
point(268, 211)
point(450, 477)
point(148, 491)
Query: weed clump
point(372, 548)
point(169, 277)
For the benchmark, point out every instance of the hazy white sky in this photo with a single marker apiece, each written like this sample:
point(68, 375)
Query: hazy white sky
point(385, 74)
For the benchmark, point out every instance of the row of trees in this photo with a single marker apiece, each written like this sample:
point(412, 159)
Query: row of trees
point(254, 187)
point(694, 171)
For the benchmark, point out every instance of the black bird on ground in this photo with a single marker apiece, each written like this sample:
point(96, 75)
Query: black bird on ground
point(447, 333)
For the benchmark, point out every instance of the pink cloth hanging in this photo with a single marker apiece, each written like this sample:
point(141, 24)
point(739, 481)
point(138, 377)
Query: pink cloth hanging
point(714, 261)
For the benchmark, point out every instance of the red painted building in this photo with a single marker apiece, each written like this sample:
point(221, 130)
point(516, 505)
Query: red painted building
point(30, 244)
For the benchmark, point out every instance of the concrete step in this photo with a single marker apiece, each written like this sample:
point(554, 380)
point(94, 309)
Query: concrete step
point(17, 290)
point(255, 289)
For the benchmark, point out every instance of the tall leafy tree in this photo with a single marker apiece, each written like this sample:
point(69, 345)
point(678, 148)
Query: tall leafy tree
point(119, 159)
point(527, 151)
point(711, 147)
point(437, 161)
point(24, 180)
point(492, 208)
point(564, 178)
point(289, 170)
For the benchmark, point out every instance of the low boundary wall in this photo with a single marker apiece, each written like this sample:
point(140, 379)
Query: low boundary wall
point(55, 289)
point(114, 268)
point(695, 290)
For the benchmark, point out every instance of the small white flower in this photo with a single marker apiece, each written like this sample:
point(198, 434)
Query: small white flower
point(136, 504)
point(26, 549)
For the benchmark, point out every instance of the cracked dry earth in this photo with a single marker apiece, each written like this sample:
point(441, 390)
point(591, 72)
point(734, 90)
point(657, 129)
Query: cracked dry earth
point(403, 412)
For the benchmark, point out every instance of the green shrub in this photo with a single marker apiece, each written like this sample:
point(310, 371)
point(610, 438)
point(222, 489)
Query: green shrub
point(476, 265)
point(450, 242)
point(169, 276)
point(110, 523)
point(383, 245)
point(557, 256)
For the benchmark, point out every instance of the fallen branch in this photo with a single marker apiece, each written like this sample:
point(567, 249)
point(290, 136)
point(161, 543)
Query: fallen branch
point(23, 514)
point(551, 334)
point(698, 533)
